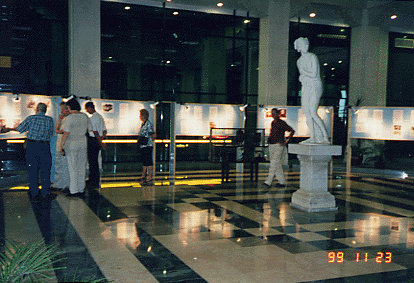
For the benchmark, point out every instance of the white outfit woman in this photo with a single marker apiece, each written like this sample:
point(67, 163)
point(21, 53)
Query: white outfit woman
point(61, 179)
point(77, 125)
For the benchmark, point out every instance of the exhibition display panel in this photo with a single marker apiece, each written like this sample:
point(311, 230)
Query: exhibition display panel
point(382, 123)
point(14, 108)
point(294, 117)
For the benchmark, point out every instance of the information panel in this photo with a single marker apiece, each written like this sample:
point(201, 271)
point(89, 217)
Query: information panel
point(384, 123)
point(197, 119)
point(294, 117)
point(121, 117)
point(15, 108)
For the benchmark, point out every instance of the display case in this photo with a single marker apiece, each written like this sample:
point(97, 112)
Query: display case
point(237, 145)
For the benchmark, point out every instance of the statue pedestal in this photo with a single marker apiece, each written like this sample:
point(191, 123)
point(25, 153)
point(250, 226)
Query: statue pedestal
point(313, 195)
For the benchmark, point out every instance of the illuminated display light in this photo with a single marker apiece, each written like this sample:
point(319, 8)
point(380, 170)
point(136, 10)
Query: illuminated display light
point(312, 15)
point(20, 188)
point(127, 8)
point(393, 17)
point(242, 108)
point(219, 4)
point(15, 141)
point(119, 141)
point(152, 105)
point(156, 141)
point(156, 183)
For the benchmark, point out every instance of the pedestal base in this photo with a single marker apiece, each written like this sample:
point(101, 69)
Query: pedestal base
point(313, 201)
point(313, 195)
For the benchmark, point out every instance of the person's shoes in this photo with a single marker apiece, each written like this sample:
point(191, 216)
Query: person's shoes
point(53, 189)
point(92, 185)
point(71, 195)
point(66, 191)
point(267, 186)
point(141, 179)
point(147, 182)
point(49, 197)
point(279, 185)
point(81, 195)
point(35, 198)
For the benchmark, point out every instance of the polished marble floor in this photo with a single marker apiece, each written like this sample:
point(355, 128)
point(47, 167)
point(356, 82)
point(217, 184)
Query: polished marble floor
point(198, 229)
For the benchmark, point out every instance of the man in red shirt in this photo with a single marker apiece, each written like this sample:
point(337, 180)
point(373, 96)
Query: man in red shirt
point(277, 144)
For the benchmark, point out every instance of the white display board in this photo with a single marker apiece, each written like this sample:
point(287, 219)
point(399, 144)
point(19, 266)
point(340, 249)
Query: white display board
point(197, 119)
point(121, 116)
point(382, 123)
point(294, 117)
point(15, 108)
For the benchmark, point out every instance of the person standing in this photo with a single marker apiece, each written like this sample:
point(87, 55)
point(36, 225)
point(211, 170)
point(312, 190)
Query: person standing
point(147, 131)
point(61, 180)
point(95, 138)
point(39, 128)
point(277, 145)
point(74, 145)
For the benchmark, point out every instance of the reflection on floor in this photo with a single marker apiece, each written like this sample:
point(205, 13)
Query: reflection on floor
point(198, 229)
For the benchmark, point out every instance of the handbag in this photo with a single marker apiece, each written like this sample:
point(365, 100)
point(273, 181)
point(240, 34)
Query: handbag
point(142, 140)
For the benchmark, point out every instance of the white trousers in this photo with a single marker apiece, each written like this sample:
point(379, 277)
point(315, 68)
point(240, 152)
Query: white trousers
point(77, 168)
point(61, 179)
point(275, 168)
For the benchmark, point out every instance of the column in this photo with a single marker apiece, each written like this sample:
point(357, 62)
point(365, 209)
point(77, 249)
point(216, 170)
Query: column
point(273, 54)
point(85, 48)
point(369, 63)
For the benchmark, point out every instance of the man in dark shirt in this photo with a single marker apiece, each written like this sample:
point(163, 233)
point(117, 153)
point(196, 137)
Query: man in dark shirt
point(39, 128)
point(277, 144)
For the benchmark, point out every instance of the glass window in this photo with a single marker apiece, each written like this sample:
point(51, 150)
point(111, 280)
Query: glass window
point(155, 53)
point(33, 42)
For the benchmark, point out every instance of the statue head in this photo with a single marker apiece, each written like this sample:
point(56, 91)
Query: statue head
point(301, 44)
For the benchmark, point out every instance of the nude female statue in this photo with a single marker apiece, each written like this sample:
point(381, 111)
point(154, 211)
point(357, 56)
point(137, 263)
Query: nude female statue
point(308, 66)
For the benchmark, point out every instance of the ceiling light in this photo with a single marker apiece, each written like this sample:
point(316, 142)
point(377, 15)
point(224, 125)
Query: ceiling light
point(339, 61)
point(169, 0)
point(168, 62)
point(325, 64)
point(312, 15)
point(332, 69)
point(219, 4)
point(393, 17)
point(175, 13)
point(246, 21)
point(127, 7)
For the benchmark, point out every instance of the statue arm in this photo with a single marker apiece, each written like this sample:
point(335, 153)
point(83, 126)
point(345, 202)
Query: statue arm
point(313, 71)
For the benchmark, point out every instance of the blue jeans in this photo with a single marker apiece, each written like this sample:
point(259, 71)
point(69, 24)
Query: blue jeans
point(38, 159)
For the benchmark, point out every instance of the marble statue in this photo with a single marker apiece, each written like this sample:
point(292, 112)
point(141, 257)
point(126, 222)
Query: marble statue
point(309, 76)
